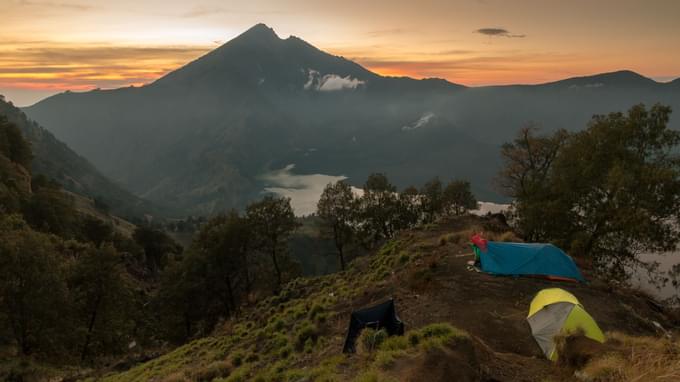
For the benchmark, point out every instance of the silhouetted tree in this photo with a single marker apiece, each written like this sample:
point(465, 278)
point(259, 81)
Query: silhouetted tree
point(102, 300)
point(337, 207)
point(379, 208)
point(272, 221)
point(157, 247)
point(607, 192)
point(432, 202)
point(33, 291)
point(458, 198)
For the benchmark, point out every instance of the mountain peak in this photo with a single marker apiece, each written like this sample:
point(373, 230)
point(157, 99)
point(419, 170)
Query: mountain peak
point(259, 32)
point(626, 78)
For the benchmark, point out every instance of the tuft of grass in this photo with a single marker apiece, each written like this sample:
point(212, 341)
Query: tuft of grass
point(237, 358)
point(238, 375)
point(370, 339)
point(307, 331)
point(218, 369)
point(394, 343)
point(635, 358)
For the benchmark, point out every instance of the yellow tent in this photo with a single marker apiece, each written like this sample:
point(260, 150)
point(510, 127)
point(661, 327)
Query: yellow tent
point(555, 311)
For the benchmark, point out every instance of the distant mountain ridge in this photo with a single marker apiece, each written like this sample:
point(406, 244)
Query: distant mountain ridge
point(55, 160)
point(201, 136)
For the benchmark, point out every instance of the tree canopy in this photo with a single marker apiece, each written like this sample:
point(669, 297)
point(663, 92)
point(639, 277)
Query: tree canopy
point(606, 193)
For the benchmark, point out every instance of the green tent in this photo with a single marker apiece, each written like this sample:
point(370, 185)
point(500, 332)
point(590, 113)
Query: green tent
point(555, 311)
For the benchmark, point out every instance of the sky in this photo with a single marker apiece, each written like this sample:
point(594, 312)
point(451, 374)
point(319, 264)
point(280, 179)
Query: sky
point(49, 46)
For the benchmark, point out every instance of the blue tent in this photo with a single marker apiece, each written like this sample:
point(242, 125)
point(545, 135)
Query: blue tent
point(528, 259)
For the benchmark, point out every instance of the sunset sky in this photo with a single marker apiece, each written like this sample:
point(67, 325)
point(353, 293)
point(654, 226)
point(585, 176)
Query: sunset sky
point(48, 46)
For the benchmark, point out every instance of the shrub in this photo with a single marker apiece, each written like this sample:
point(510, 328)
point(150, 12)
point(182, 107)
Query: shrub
point(309, 346)
point(404, 258)
point(315, 311)
point(237, 358)
point(307, 331)
point(437, 330)
point(385, 360)
point(394, 343)
point(414, 339)
point(278, 325)
point(252, 357)
point(370, 339)
point(279, 341)
point(285, 352)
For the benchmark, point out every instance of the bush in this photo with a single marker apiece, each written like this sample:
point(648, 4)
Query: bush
point(315, 311)
point(309, 346)
point(237, 358)
point(437, 331)
point(370, 339)
point(414, 339)
point(307, 331)
point(279, 341)
point(285, 352)
point(394, 343)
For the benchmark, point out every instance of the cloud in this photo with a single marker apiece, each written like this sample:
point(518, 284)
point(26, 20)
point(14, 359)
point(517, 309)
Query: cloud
point(502, 67)
point(385, 32)
point(498, 32)
point(207, 10)
point(421, 122)
point(333, 82)
point(81, 67)
point(330, 82)
point(55, 4)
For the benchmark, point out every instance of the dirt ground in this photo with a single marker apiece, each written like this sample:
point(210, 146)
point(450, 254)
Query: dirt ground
point(492, 309)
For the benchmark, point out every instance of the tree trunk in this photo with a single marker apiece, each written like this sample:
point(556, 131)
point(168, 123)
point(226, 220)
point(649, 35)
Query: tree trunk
point(187, 325)
point(230, 295)
point(342, 258)
point(276, 266)
point(338, 245)
point(90, 327)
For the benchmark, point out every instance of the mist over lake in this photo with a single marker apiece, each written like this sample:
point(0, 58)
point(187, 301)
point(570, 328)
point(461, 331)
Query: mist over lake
point(303, 190)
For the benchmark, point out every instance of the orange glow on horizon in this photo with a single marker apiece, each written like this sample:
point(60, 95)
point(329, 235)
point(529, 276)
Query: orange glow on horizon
point(82, 45)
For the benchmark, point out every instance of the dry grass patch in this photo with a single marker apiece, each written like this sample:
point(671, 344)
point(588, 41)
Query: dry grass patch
point(630, 358)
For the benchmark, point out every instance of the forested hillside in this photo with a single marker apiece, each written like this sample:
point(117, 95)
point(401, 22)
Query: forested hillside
point(55, 160)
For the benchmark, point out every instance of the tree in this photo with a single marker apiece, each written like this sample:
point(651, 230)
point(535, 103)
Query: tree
point(619, 183)
point(33, 291)
point(95, 230)
point(50, 210)
point(102, 301)
point(458, 198)
point(378, 208)
point(410, 208)
point(337, 208)
point(272, 220)
point(526, 178)
point(224, 245)
point(182, 302)
point(13, 145)
point(157, 246)
point(432, 202)
point(607, 192)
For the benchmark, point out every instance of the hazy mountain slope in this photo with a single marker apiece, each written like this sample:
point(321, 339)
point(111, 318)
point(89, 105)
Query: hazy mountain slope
point(57, 161)
point(496, 113)
point(201, 136)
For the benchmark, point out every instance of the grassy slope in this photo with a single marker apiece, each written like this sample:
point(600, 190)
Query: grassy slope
point(298, 335)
